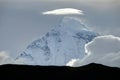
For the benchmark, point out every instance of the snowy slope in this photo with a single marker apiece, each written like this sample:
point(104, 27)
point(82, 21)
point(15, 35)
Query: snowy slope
point(59, 45)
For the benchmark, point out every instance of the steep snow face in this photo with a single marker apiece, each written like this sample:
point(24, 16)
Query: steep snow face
point(60, 45)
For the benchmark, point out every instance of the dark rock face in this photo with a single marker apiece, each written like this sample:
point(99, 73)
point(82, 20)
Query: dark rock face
point(88, 72)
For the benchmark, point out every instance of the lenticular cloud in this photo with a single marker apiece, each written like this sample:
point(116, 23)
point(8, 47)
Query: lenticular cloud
point(64, 11)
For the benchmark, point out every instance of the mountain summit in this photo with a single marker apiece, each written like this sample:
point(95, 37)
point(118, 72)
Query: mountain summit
point(59, 45)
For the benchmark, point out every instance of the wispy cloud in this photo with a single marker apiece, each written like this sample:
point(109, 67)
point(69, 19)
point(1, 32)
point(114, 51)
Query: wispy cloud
point(64, 11)
point(5, 58)
point(103, 49)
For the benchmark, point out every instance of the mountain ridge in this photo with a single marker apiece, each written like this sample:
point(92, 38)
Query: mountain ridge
point(90, 71)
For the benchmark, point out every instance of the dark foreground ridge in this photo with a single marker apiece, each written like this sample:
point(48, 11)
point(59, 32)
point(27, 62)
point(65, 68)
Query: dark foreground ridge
point(88, 72)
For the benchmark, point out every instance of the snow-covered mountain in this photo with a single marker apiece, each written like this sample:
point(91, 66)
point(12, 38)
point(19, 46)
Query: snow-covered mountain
point(59, 45)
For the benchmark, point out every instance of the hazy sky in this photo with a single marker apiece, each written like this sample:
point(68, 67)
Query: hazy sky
point(22, 21)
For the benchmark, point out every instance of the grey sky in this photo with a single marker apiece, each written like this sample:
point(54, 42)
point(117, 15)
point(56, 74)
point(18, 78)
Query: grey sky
point(21, 21)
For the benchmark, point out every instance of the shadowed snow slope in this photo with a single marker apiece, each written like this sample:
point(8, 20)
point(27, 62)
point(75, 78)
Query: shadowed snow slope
point(59, 45)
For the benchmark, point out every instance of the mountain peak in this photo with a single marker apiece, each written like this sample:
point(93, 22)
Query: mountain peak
point(59, 45)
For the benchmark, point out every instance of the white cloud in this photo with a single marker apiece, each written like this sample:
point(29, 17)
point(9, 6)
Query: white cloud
point(103, 49)
point(64, 11)
point(74, 63)
point(5, 58)
point(104, 44)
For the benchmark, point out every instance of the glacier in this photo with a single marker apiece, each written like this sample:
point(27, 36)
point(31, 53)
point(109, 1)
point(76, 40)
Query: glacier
point(61, 44)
